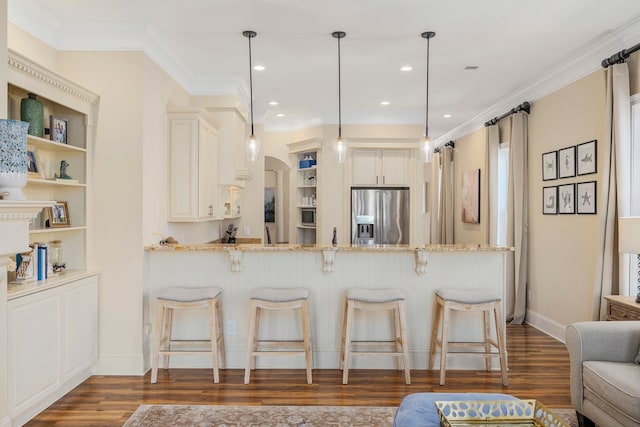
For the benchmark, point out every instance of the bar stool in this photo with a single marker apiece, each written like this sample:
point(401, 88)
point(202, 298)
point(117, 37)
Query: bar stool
point(178, 298)
point(468, 300)
point(375, 300)
point(278, 299)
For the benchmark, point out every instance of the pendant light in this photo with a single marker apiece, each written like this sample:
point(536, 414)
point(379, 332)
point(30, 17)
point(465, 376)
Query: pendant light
point(340, 146)
point(426, 148)
point(252, 145)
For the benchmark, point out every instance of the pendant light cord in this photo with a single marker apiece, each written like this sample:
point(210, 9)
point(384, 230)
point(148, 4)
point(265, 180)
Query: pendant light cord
point(427, 35)
point(250, 83)
point(426, 128)
point(339, 94)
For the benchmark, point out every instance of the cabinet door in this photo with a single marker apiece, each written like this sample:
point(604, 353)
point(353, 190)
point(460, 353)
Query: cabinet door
point(395, 167)
point(34, 348)
point(207, 166)
point(365, 167)
point(183, 153)
point(80, 326)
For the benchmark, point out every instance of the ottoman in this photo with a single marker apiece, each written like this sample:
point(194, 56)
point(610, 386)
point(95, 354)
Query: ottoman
point(419, 410)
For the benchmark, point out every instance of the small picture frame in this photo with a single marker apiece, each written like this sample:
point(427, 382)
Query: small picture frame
point(58, 215)
point(586, 197)
point(567, 162)
point(550, 166)
point(550, 200)
point(58, 129)
point(566, 199)
point(33, 169)
point(587, 157)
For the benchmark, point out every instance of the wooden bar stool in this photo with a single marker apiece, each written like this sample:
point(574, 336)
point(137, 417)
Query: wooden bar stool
point(468, 300)
point(188, 299)
point(375, 300)
point(279, 299)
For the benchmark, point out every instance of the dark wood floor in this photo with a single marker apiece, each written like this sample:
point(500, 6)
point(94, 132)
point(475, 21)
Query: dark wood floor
point(538, 369)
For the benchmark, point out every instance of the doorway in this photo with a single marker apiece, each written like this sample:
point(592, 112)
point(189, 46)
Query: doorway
point(276, 201)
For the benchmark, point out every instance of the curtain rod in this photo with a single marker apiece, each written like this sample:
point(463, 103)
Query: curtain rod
point(446, 144)
point(525, 106)
point(620, 57)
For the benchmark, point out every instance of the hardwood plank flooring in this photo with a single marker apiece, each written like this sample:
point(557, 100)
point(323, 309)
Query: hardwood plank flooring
point(538, 369)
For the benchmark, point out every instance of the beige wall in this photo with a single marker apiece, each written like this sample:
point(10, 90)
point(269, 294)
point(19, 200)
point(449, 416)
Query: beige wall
point(562, 248)
point(3, 58)
point(469, 154)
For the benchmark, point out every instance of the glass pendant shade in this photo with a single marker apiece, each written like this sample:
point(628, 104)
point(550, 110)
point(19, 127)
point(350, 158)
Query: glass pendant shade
point(426, 149)
point(253, 148)
point(340, 150)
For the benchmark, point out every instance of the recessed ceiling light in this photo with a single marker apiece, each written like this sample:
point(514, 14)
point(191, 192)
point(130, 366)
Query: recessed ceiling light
point(259, 68)
point(279, 115)
point(384, 103)
point(446, 116)
point(471, 67)
point(406, 68)
point(273, 103)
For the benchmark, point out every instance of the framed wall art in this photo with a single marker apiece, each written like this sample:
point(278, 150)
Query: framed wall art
point(567, 162)
point(550, 200)
point(586, 197)
point(586, 157)
point(471, 197)
point(566, 199)
point(550, 166)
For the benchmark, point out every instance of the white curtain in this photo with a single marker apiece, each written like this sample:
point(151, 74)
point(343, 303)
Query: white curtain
point(517, 207)
point(611, 269)
point(490, 187)
point(442, 197)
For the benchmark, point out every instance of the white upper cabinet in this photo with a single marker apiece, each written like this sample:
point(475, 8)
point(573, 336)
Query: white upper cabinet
point(381, 167)
point(193, 152)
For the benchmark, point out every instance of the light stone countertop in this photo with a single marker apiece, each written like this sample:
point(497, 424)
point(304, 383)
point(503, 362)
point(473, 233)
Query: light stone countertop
point(217, 247)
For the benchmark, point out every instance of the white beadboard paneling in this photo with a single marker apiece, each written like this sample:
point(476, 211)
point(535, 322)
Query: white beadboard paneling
point(371, 269)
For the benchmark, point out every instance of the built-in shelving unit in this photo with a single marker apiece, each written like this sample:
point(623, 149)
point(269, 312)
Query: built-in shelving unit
point(43, 185)
point(307, 198)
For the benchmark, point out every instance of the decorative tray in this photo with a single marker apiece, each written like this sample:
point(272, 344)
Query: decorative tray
point(491, 413)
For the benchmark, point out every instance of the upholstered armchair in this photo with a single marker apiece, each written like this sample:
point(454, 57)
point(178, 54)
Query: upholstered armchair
point(605, 381)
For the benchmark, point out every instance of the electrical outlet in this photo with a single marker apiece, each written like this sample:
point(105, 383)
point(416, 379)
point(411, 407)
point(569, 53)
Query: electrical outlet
point(246, 230)
point(231, 327)
point(147, 329)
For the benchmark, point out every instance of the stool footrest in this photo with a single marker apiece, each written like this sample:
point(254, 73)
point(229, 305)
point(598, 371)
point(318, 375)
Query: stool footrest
point(376, 353)
point(276, 353)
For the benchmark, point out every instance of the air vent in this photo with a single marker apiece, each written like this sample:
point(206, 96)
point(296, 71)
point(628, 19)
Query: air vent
point(471, 68)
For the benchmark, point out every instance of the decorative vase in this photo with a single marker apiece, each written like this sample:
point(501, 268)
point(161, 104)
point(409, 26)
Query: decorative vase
point(32, 112)
point(13, 158)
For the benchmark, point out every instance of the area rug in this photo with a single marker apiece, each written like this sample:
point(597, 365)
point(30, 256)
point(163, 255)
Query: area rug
point(261, 416)
point(276, 416)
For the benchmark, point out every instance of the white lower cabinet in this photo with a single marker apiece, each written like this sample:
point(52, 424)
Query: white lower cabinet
point(52, 344)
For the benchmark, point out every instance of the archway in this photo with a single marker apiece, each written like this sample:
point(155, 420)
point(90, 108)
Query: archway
point(276, 190)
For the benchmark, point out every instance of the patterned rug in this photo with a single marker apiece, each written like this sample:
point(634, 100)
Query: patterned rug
point(274, 416)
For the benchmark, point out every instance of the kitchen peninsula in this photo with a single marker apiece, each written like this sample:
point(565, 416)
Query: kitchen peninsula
point(327, 271)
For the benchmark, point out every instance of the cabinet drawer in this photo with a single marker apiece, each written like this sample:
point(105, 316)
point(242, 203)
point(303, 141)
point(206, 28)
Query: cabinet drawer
point(619, 312)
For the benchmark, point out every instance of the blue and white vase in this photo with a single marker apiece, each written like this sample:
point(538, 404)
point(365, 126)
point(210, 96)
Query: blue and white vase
point(13, 158)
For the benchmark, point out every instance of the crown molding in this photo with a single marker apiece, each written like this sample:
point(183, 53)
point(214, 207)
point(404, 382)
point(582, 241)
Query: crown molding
point(584, 62)
point(19, 63)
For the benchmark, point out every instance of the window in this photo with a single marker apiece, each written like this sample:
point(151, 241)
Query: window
point(503, 177)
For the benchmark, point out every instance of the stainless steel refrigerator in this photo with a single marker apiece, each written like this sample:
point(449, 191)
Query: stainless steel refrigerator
point(380, 215)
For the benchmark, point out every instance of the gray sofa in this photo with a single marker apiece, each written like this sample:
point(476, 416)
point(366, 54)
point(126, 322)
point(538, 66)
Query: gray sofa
point(605, 381)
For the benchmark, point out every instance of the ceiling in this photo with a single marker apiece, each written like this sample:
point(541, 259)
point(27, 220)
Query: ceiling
point(523, 50)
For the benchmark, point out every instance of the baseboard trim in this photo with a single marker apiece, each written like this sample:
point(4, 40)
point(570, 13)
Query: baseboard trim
point(5, 422)
point(546, 325)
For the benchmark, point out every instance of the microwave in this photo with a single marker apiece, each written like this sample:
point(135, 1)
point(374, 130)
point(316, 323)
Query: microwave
point(308, 216)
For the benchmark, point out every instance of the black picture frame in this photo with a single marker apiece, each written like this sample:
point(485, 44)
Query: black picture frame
point(58, 129)
point(587, 157)
point(550, 166)
point(586, 198)
point(566, 199)
point(550, 200)
point(567, 162)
